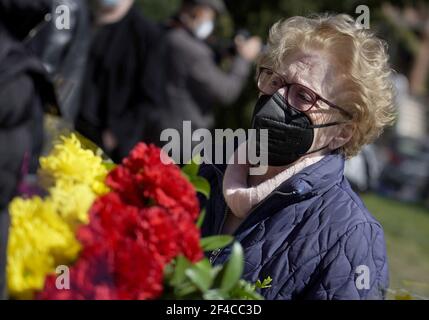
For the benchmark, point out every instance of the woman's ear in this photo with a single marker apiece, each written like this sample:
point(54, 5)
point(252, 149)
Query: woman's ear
point(344, 135)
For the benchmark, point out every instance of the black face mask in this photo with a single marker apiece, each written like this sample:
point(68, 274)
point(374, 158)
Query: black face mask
point(290, 132)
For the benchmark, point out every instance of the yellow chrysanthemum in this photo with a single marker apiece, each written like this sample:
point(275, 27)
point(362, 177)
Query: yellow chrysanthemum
point(39, 241)
point(72, 202)
point(70, 163)
point(42, 232)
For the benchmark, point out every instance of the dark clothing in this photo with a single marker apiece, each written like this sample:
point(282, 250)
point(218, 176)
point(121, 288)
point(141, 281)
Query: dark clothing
point(23, 91)
point(311, 235)
point(113, 94)
point(191, 81)
point(20, 16)
point(64, 52)
point(4, 228)
point(24, 94)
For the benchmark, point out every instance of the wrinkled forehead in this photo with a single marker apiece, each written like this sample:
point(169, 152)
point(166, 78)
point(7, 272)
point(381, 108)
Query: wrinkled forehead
point(312, 69)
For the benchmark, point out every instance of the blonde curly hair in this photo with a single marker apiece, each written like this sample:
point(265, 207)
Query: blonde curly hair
point(361, 61)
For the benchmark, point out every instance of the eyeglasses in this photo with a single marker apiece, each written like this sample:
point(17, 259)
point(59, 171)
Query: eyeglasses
point(298, 96)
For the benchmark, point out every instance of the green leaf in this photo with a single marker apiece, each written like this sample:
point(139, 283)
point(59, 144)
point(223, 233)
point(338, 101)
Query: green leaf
point(182, 264)
point(264, 284)
point(169, 270)
point(216, 242)
point(245, 291)
point(201, 185)
point(190, 171)
point(185, 290)
point(214, 294)
point(234, 268)
point(200, 275)
point(191, 168)
point(201, 218)
point(215, 271)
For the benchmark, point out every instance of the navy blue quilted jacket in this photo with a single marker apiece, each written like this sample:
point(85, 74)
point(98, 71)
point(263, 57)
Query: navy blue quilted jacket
point(312, 235)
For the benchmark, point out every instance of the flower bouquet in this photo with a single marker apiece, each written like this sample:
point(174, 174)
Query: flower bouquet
point(127, 231)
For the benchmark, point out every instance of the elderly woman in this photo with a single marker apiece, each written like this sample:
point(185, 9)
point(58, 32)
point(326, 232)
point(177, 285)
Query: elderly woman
point(325, 92)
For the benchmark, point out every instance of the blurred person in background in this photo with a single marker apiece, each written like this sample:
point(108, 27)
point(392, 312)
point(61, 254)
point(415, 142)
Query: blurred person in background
point(18, 17)
point(25, 93)
point(188, 78)
point(111, 105)
point(363, 170)
point(63, 51)
point(325, 91)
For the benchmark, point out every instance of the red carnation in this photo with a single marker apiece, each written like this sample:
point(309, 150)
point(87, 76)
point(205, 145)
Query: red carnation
point(134, 231)
point(143, 178)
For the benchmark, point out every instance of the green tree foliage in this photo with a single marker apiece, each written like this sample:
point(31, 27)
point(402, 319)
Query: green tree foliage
point(159, 10)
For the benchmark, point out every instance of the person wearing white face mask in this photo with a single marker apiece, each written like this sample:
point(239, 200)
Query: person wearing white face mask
point(191, 80)
point(200, 17)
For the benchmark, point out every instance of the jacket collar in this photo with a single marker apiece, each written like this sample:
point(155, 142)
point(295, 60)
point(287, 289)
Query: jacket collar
point(315, 178)
point(311, 181)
